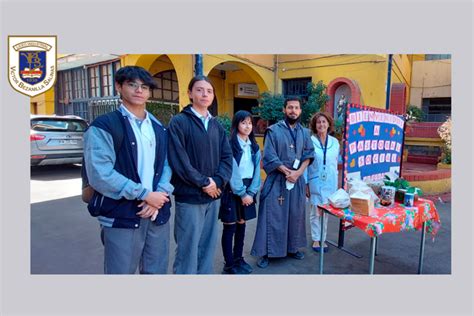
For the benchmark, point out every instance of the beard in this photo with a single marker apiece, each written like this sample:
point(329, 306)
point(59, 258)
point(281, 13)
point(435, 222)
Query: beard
point(292, 121)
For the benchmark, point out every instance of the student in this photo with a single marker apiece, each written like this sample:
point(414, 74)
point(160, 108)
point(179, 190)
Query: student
point(201, 159)
point(131, 182)
point(238, 200)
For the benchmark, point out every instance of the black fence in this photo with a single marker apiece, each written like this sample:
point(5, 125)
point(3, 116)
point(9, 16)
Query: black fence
point(92, 108)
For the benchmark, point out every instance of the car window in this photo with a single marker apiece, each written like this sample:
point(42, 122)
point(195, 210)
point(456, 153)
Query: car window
point(58, 125)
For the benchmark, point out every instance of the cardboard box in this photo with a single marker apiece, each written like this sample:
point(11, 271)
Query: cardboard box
point(362, 206)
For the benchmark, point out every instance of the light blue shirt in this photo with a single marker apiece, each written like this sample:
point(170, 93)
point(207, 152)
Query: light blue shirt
point(146, 146)
point(246, 166)
point(205, 120)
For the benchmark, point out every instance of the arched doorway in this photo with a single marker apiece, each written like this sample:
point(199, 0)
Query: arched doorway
point(238, 87)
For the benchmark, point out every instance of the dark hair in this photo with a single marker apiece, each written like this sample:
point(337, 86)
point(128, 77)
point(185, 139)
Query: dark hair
point(314, 118)
point(293, 99)
point(200, 78)
point(132, 73)
point(234, 128)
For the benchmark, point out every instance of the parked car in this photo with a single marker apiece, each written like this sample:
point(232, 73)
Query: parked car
point(56, 140)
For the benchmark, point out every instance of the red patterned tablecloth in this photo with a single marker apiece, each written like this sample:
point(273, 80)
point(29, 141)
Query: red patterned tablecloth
point(392, 219)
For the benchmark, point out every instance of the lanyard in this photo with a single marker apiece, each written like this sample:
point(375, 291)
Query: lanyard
point(325, 148)
point(291, 132)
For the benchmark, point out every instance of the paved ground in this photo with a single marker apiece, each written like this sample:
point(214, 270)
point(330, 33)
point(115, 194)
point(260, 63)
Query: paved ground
point(65, 238)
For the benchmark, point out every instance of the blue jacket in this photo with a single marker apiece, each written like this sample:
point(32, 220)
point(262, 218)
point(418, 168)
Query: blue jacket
point(236, 183)
point(115, 178)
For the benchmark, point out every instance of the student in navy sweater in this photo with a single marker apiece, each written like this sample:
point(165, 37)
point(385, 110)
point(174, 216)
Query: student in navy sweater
point(201, 159)
point(238, 200)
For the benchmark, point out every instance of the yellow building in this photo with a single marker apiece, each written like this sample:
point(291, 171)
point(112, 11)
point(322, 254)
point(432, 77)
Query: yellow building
point(240, 79)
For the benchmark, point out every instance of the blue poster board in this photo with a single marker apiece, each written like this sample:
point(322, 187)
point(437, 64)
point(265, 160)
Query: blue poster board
point(373, 143)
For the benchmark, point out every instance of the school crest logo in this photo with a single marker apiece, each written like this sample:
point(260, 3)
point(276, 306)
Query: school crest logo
point(32, 63)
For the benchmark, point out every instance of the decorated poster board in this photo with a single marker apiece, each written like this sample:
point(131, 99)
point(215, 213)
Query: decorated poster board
point(373, 143)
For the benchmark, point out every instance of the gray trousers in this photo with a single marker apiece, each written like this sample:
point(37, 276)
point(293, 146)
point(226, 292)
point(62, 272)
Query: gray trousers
point(195, 233)
point(146, 248)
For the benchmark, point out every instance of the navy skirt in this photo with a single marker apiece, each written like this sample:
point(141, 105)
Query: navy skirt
point(232, 210)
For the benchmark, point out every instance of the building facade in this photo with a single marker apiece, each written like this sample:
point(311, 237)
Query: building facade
point(85, 82)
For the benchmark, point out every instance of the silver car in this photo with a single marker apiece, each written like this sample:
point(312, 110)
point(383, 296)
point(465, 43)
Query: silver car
point(56, 140)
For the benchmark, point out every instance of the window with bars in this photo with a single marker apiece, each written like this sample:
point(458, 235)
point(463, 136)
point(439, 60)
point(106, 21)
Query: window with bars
point(167, 87)
point(296, 88)
point(436, 109)
point(106, 82)
point(79, 84)
point(437, 56)
point(94, 81)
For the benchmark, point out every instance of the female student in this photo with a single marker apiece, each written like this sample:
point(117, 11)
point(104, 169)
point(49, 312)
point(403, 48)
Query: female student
point(238, 200)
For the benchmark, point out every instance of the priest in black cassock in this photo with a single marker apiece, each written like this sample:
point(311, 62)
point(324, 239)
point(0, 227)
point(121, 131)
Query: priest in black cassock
point(288, 150)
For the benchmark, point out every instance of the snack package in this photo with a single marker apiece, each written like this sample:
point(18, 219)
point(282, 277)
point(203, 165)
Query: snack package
point(340, 199)
point(357, 185)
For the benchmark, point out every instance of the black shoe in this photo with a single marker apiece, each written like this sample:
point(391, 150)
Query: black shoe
point(296, 255)
point(230, 270)
point(240, 263)
point(263, 262)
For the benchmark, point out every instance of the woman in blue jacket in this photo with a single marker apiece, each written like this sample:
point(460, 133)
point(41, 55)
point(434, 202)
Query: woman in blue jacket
point(238, 200)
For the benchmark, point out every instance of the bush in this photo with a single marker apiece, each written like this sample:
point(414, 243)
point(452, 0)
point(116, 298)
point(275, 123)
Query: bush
point(271, 106)
point(162, 111)
point(444, 132)
point(317, 99)
point(226, 122)
point(414, 114)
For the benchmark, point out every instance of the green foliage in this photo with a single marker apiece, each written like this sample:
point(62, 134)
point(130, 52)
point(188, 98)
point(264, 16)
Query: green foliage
point(414, 114)
point(271, 107)
point(317, 99)
point(339, 129)
point(401, 183)
point(162, 111)
point(225, 121)
point(446, 155)
point(415, 190)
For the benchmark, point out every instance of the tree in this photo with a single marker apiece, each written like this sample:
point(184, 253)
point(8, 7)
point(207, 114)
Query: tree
point(271, 105)
point(317, 99)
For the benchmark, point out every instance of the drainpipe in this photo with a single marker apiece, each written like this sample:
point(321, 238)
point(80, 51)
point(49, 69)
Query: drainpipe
point(275, 74)
point(389, 79)
point(198, 65)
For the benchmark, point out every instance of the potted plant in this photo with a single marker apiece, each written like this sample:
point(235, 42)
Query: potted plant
point(416, 191)
point(401, 186)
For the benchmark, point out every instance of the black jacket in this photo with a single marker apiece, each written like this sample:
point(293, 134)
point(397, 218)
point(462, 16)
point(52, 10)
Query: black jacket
point(195, 154)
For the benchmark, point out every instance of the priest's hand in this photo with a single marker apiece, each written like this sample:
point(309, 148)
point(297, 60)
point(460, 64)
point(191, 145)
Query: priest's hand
point(285, 170)
point(247, 200)
point(293, 176)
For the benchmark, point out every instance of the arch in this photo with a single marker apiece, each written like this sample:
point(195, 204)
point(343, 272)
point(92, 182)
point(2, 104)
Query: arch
point(332, 87)
point(256, 77)
point(182, 64)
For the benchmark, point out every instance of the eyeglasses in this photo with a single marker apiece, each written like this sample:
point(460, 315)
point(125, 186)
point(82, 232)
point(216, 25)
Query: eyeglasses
point(135, 86)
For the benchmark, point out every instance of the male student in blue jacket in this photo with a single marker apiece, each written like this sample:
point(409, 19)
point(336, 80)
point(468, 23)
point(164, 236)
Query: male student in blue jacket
point(201, 159)
point(131, 182)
